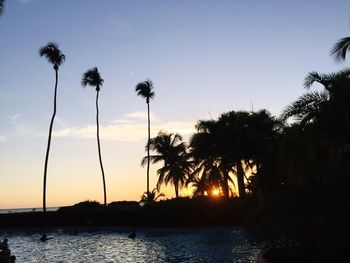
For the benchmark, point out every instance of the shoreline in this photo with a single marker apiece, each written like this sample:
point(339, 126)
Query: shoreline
point(170, 213)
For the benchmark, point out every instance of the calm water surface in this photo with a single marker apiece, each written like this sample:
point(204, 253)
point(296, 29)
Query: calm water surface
point(150, 245)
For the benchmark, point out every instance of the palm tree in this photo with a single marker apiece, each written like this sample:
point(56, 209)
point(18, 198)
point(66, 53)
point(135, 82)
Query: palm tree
point(54, 55)
point(233, 143)
point(207, 148)
point(206, 176)
point(151, 197)
point(327, 111)
point(2, 4)
point(145, 90)
point(93, 78)
point(315, 105)
point(171, 150)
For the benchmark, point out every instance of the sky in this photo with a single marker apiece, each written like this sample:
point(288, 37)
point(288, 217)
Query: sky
point(205, 57)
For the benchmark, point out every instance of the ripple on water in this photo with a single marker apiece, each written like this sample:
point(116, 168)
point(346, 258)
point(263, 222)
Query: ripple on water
point(150, 245)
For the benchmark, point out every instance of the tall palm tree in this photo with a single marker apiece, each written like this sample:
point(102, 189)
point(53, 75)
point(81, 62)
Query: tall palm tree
point(2, 4)
point(171, 150)
point(93, 78)
point(145, 90)
point(54, 55)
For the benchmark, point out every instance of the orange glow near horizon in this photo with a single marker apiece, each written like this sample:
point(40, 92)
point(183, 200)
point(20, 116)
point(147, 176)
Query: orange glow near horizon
point(215, 192)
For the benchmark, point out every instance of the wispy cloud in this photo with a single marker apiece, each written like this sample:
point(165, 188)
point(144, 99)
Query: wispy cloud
point(3, 139)
point(24, 1)
point(132, 127)
point(141, 115)
point(18, 128)
point(14, 117)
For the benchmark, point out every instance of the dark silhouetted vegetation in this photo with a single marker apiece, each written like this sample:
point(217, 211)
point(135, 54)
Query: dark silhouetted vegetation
point(341, 48)
point(171, 150)
point(236, 143)
point(179, 212)
point(2, 6)
point(304, 196)
point(151, 196)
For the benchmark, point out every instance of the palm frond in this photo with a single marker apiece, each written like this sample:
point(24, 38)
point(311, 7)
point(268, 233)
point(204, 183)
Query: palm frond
point(2, 6)
point(311, 78)
point(340, 49)
point(327, 80)
point(151, 196)
point(306, 106)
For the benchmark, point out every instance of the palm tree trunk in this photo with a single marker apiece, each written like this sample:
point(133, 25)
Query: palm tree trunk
point(225, 182)
point(49, 142)
point(99, 150)
point(240, 180)
point(225, 188)
point(176, 189)
point(148, 141)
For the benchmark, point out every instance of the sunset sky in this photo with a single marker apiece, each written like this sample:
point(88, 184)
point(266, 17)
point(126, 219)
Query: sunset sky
point(204, 57)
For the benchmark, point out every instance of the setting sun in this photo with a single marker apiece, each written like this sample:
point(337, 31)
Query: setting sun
point(215, 192)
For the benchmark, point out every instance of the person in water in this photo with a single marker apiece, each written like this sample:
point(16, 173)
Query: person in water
point(4, 244)
point(5, 255)
point(132, 234)
point(44, 237)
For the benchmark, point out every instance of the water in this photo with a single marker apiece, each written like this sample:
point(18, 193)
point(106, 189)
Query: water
point(26, 210)
point(150, 245)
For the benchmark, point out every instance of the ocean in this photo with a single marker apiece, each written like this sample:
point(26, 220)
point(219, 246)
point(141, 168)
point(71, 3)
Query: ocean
point(25, 210)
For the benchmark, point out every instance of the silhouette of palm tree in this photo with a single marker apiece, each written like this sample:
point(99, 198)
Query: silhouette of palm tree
point(151, 196)
point(307, 107)
point(329, 109)
point(206, 176)
point(232, 144)
point(2, 5)
point(210, 147)
point(312, 105)
point(54, 55)
point(145, 90)
point(171, 150)
point(93, 78)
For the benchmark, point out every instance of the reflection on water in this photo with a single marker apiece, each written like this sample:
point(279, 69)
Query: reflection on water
point(150, 245)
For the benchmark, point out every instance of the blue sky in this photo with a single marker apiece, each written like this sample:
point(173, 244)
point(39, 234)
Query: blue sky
point(203, 57)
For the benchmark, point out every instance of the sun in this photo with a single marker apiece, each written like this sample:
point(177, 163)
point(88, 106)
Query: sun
point(215, 192)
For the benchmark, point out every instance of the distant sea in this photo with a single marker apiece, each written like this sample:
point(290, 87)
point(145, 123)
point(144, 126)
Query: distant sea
point(26, 210)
